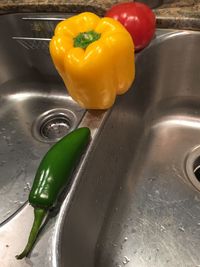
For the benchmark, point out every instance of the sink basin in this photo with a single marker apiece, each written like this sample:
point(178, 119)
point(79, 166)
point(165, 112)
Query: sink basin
point(136, 204)
point(36, 111)
point(134, 199)
point(35, 107)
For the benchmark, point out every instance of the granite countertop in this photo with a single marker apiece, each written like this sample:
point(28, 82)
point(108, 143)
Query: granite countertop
point(98, 6)
point(183, 14)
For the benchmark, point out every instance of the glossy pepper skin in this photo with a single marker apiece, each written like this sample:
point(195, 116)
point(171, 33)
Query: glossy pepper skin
point(52, 176)
point(56, 166)
point(98, 71)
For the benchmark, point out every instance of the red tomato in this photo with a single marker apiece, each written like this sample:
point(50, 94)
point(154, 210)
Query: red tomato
point(138, 19)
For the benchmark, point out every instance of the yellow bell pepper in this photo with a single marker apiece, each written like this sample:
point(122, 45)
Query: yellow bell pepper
point(95, 58)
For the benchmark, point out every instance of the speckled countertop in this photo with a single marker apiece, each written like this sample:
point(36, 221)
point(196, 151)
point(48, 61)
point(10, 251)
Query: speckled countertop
point(98, 6)
point(183, 14)
point(174, 13)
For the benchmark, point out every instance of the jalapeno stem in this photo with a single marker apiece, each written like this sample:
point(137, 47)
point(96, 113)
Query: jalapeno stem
point(39, 215)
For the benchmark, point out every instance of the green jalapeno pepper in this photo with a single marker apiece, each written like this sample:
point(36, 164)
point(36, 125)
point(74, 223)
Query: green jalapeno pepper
point(51, 177)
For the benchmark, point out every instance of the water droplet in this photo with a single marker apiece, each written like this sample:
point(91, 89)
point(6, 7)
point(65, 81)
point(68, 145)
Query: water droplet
point(126, 260)
point(152, 179)
point(28, 185)
point(162, 228)
point(181, 229)
point(125, 239)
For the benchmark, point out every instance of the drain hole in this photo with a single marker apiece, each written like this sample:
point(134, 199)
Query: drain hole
point(53, 125)
point(55, 128)
point(193, 167)
point(196, 168)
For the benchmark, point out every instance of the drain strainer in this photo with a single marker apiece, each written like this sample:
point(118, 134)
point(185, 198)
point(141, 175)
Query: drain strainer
point(53, 125)
point(193, 167)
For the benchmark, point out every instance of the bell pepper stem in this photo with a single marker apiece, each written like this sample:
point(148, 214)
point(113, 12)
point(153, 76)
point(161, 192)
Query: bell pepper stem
point(39, 215)
point(83, 39)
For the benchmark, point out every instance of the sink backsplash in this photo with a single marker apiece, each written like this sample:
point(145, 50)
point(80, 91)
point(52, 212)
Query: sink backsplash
point(157, 3)
point(151, 3)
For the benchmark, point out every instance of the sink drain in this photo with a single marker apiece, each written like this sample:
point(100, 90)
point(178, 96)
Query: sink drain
point(197, 168)
point(53, 125)
point(193, 167)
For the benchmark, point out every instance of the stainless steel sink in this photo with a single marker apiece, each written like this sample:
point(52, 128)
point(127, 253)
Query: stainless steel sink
point(135, 204)
point(134, 199)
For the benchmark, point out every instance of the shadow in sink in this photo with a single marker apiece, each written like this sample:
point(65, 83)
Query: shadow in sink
point(135, 204)
point(35, 107)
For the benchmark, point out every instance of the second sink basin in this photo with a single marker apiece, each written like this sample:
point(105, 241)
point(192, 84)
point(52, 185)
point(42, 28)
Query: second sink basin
point(135, 204)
